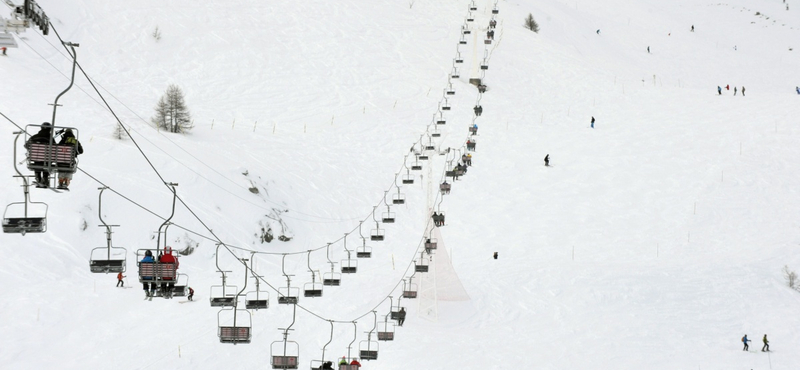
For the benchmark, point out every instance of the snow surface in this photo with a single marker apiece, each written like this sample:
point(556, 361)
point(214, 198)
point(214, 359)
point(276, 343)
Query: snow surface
point(655, 241)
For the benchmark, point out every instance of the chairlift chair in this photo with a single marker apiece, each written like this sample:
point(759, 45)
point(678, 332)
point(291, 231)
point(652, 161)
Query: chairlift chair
point(484, 64)
point(368, 350)
point(394, 311)
point(450, 90)
point(445, 187)
point(416, 166)
point(444, 106)
point(494, 9)
point(18, 220)
point(102, 260)
point(431, 244)
point(386, 331)
point(409, 290)
point(331, 278)
point(223, 295)
point(288, 295)
point(376, 234)
point(364, 252)
point(471, 146)
point(473, 130)
point(234, 326)
point(454, 74)
point(52, 157)
point(421, 265)
point(459, 58)
point(312, 289)
point(472, 6)
point(256, 300)
point(388, 217)
point(284, 354)
point(436, 132)
point(487, 41)
point(155, 272)
point(349, 266)
point(181, 284)
point(462, 41)
point(398, 198)
point(408, 178)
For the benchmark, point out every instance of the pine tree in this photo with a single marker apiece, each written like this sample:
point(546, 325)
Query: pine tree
point(171, 112)
point(531, 24)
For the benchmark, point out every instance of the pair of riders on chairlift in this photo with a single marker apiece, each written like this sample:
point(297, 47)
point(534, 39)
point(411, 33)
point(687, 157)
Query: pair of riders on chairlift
point(46, 136)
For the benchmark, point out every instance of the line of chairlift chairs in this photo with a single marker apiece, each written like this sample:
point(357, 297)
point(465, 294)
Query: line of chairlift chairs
point(31, 217)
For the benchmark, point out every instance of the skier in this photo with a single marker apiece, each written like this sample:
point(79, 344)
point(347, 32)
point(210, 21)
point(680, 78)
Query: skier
point(727, 87)
point(68, 139)
point(478, 110)
point(44, 136)
point(355, 362)
point(734, 91)
point(469, 159)
point(742, 90)
point(343, 361)
point(797, 88)
point(765, 348)
point(692, 28)
point(598, 31)
point(745, 340)
point(435, 218)
point(648, 50)
point(4, 50)
point(592, 121)
point(547, 160)
point(401, 316)
point(120, 282)
point(327, 365)
point(474, 128)
point(719, 90)
point(495, 255)
point(191, 293)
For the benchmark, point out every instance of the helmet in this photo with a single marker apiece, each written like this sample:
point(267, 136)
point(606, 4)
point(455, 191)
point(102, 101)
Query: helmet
point(46, 124)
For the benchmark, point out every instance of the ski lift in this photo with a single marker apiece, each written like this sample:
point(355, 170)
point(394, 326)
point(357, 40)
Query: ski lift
point(449, 90)
point(156, 271)
point(463, 40)
point(348, 266)
point(445, 187)
point(470, 17)
point(436, 132)
point(408, 178)
point(376, 234)
point(332, 278)
point(440, 120)
point(416, 166)
point(368, 349)
point(97, 262)
point(409, 289)
point(284, 354)
point(465, 29)
point(444, 106)
point(485, 64)
point(421, 264)
point(222, 295)
point(314, 288)
point(398, 198)
point(454, 74)
point(386, 331)
point(472, 6)
point(289, 294)
point(394, 311)
point(181, 283)
point(487, 41)
point(256, 299)
point(240, 331)
point(459, 59)
point(494, 9)
point(423, 157)
point(322, 361)
point(16, 218)
point(471, 145)
point(431, 244)
point(364, 251)
point(473, 130)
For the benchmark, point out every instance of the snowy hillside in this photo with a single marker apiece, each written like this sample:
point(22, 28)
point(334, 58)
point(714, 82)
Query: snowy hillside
point(655, 240)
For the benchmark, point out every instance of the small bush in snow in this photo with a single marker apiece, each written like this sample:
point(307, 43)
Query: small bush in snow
point(531, 24)
point(157, 34)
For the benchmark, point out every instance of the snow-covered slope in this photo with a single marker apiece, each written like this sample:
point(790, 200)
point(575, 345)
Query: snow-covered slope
point(655, 240)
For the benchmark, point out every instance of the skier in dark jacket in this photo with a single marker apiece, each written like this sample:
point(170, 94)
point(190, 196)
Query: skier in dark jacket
point(401, 316)
point(745, 340)
point(765, 348)
point(68, 139)
point(44, 136)
point(547, 160)
point(592, 121)
point(719, 90)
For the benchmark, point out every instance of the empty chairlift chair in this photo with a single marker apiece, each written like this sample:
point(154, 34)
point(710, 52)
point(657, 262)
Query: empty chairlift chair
point(332, 278)
point(181, 285)
point(106, 259)
point(256, 299)
point(398, 198)
point(421, 264)
point(223, 295)
point(314, 288)
point(409, 289)
point(26, 216)
point(386, 330)
point(234, 326)
point(287, 294)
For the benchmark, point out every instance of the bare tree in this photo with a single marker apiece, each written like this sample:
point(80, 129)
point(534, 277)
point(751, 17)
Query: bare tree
point(531, 24)
point(171, 112)
point(119, 132)
point(790, 276)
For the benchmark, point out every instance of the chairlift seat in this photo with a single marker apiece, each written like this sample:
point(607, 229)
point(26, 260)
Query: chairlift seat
point(473, 8)
point(436, 134)
point(487, 41)
point(451, 92)
point(446, 107)
point(445, 187)
point(23, 225)
point(421, 268)
point(368, 354)
point(495, 11)
point(364, 254)
point(349, 269)
point(449, 173)
point(221, 301)
point(386, 335)
point(416, 167)
point(467, 32)
point(331, 282)
point(462, 42)
point(455, 75)
point(287, 300)
point(115, 265)
point(470, 19)
point(255, 304)
point(473, 130)
point(284, 362)
point(348, 367)
point(471, 146)
point(151, 271)
point(408, 180)
point(179, 291)
point(377, 235)
point(388, 219)
point(44, 156)
point(441, 122)
point(312, 293)
point(431, 244)
point(484, 66)
point(459, 60)
point(234, 334)
point(410, 294)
